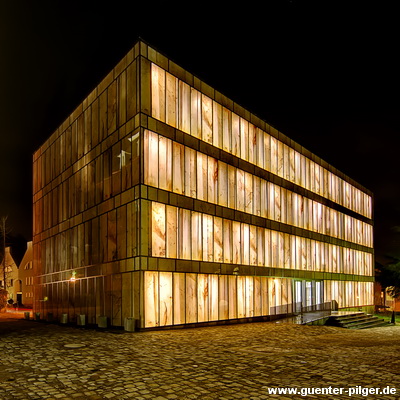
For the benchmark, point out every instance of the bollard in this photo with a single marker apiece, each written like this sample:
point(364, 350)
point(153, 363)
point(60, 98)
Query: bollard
point(393, 321)
point(64, 318)
point(37, 316)
point(129, 324)
point(49, 317)
point(81, 320)
point(102, 322)
point(27, 314)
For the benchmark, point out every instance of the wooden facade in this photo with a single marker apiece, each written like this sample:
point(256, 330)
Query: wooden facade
point(160, 199)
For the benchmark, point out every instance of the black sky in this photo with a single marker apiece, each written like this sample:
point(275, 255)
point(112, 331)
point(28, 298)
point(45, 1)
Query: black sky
point(325, 73)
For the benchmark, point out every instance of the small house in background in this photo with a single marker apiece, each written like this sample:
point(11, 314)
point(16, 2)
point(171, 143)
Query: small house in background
point(11, 283)
point(383, 300)
point(25, 276)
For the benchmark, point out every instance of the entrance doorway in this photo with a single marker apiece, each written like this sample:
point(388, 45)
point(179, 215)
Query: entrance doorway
point(19, 298)
point(308, 295)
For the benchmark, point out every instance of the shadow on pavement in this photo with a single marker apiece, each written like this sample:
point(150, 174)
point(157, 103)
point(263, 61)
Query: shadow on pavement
point(14, 322)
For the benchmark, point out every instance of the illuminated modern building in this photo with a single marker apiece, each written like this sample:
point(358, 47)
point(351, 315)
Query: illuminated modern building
point(160, 199)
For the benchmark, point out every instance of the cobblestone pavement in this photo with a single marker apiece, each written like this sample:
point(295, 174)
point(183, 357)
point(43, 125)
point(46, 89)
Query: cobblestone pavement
point(224, 362)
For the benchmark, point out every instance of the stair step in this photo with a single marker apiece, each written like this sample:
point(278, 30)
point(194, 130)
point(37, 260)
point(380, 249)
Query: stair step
point(376, 324)
point(349, 317)
point(358, 321)
point(370, 325)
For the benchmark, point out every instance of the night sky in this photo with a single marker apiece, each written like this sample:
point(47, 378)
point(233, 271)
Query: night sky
point(324, 73)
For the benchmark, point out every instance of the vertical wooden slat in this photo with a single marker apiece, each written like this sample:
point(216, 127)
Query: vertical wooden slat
point(116, 299)
point(122, 98)
point(233, 311)
point(179, 298)
point(151, 310)
point(95, 123)
point(165, 300)
point(126, 296)
point(223, 293)
point(80, 139)
point(103, 116)
point(112, 108)
point(191, 298)
point(112, 235)
point(145, 90)
point(121, 232)
point(131, 91)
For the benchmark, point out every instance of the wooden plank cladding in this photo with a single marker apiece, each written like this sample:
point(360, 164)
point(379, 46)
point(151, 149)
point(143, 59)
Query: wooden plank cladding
point(180, 169)
point(85, 213)
point(197, 114)
point(186, 234)
point(161, 199)
point(186, 298)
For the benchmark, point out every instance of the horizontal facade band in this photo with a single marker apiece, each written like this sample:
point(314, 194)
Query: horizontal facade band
point(150, 193)
point(186, 266)
point(177, 168)
point(194, 143)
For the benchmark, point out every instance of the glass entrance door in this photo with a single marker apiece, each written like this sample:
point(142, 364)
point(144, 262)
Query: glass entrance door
point(298, 296)
point(308, 295)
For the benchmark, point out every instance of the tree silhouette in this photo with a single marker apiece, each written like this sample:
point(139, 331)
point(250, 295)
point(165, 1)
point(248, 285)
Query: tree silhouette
point(5, 270)
point(389, 277)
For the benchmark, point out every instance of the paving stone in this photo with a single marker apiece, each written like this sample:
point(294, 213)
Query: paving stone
point(222, 362)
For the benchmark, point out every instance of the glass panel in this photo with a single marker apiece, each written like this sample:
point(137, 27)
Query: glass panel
point(217, 125)
point(158, 92)
point(240, 188)
point(172, 228)
point(171, 100)
point(184, 107)
point(184, 234)
point(151, 158)
point(212, 179)
point(202, 298)
point(179, 298)
point(165, 280)
point(235, 135)
point(165, 163)
point(196, 236)
point(227, 238)
point(236, 242)
point(222, 184)
point(244, 139)
point(208, 238)
point(178, 168)
point(223, 297)
point(190, 172)
point(241, 296)
point(227, 129)
point(158, 230)
point(218, 241)
point(249, 285)
point(195, 128)
point(257, 296)
point(213, 297)
point(233, 313)
point(207, 119)
point(191, 298)
point(201, 176)
point(151, 299)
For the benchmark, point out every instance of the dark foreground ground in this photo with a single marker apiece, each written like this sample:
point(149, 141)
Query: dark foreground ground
point(225, 362)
